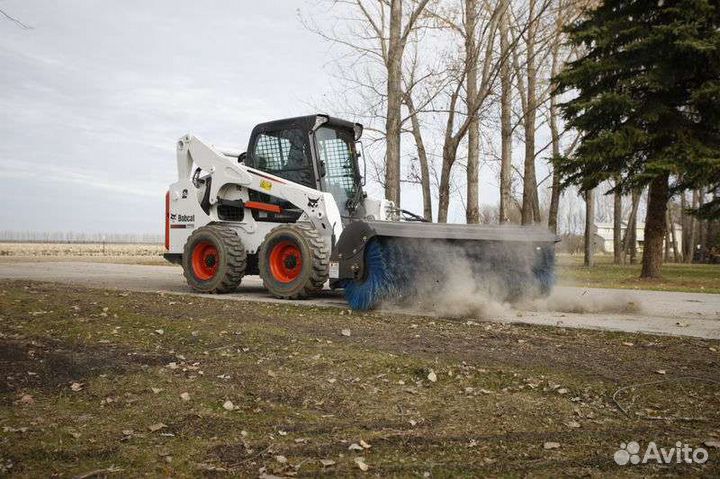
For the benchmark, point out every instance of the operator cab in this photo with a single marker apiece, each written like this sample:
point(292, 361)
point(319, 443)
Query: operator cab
point(315, 151)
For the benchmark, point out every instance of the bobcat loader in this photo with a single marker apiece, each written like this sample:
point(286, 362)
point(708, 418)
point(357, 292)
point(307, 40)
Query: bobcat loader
point(292, 210)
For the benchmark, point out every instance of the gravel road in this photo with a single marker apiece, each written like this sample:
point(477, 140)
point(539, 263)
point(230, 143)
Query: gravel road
point(653, 312)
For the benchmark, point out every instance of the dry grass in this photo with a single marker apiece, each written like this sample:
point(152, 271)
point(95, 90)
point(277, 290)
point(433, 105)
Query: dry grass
point(125, 253)
point(429, 397)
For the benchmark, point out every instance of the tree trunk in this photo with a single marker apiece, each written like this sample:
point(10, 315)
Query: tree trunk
point(630, 239)
point(666, 240)
point(589, 227)
point(655, 227)
point(505, 120)
point(423, 159)
point(554, 131)
point(531, 206)
point(394, 104)
point(702, 231)
point(449, 154)
point(684, 223)
point(673, 237)
point(472, 212)
point(617, 227)
point(692, 226)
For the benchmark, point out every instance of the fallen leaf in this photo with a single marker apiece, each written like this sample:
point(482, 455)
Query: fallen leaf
point(355, 447)
point(360, 461)
point(156, 390)
point(76, 387)
point(551, 445)
point(562, 391)
point(432, 377)
point(345, 332)
point(185, 396)
point(364, 444)
point(228, 406)
point(160, 331)
point(661, 371)
point(156, 427)
point(327, 462)
point(711, 443)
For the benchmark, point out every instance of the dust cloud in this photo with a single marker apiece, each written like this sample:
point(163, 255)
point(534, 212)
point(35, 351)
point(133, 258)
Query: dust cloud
point(488, 280)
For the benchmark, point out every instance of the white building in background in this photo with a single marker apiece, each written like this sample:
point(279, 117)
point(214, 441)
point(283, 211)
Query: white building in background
point(604, 236)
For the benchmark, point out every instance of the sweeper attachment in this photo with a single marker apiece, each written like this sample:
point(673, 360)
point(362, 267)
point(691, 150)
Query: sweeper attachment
point(292, 210)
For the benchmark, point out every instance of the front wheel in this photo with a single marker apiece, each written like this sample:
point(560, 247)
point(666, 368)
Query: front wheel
point(293, 261)
point(214, 259)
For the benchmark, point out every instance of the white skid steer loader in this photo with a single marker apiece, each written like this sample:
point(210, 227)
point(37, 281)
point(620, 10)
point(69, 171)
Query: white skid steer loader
point(292, 210)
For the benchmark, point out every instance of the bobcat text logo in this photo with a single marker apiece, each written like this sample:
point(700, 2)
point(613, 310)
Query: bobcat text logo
point(680, 454)
point(182, 218)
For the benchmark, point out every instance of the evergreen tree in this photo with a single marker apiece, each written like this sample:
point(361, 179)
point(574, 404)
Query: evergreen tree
point(647, 104)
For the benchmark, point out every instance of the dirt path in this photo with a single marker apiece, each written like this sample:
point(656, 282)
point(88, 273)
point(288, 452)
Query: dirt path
point(653, 312)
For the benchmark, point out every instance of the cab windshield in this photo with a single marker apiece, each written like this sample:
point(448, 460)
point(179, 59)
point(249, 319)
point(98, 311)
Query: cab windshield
point(336, 148)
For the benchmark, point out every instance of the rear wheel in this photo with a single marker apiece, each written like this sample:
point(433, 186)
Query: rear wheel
point(293, 261)
point(214, 259)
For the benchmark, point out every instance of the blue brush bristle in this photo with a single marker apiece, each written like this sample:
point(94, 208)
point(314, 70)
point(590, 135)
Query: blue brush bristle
point(378, 283)
point(544, 270)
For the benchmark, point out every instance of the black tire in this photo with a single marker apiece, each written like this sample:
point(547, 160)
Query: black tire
point(220, 246)
point(300, 281)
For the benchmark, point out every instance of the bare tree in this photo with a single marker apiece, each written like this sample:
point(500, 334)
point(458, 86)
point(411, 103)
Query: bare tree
point(589, 227)
point(505, 115)
point(393, 62)
point(618, 252)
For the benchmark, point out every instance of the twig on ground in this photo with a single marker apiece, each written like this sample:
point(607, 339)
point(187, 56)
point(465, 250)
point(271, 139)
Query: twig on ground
point(661, 381)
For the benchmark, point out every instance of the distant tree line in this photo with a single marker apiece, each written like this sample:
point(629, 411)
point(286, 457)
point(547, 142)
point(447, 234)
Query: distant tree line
point(75, 237)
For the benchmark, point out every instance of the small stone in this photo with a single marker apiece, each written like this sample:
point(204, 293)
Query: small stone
point(228, 406)
point(185, 396)
point(355, 447)
point(281, 459)
point(327, 462)
point(345, 332)
point(562, 391)
point(76, 387)
point(360, 461)
point(551, 445)
point(432, 377)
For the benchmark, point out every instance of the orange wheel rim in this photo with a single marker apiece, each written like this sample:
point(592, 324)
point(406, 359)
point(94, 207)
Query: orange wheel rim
point(205, 260)
point(285, 261)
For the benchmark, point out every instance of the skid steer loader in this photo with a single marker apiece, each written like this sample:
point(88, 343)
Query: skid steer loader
point(292, 210)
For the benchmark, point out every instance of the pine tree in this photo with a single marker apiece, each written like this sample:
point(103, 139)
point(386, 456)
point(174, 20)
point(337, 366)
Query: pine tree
point(647, 104)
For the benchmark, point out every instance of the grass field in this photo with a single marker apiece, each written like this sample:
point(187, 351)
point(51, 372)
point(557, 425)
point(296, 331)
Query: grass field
point(700, 278)
point(95, 252)
point(108, 383)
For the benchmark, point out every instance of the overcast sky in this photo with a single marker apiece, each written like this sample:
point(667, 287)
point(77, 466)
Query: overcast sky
point(95, 95)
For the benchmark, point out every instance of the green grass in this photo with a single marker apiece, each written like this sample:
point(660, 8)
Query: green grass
point(696, 278)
